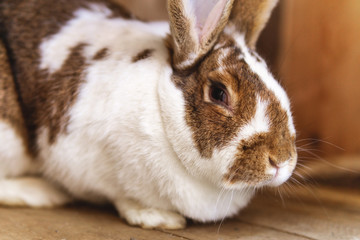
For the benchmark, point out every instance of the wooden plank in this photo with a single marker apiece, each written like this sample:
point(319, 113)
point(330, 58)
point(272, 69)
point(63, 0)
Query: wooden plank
point(72, 223)
point(316, 219)
point(147, 10)
point(234, 229)
point(84, 222)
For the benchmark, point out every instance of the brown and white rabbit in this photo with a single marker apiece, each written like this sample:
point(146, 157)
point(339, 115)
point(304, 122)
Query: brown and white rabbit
point(165, 121)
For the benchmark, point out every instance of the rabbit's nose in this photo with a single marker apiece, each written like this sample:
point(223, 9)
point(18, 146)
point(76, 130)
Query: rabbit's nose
point(272, 162)
point(277, 164)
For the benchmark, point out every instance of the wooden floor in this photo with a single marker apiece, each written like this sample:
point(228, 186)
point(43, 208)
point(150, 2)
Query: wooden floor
point(328, 210)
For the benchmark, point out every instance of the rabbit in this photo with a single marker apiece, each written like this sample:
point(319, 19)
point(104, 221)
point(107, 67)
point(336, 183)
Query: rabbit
point(167, 121)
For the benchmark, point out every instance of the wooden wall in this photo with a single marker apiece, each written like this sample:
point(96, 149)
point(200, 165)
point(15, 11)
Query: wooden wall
point(146, 9)
point(313, 47)
point(319, 63)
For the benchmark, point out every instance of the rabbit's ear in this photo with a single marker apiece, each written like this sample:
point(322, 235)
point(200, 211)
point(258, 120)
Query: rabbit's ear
point(250, 17)
point(195, 26)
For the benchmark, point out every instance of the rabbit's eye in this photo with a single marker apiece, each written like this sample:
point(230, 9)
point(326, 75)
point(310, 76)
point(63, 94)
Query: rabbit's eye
point(219, 95)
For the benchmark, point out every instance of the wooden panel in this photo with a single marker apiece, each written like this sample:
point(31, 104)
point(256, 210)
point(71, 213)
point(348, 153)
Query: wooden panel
point(84, 222)
point(319, 64)
point(146, 9)
point(72, 223)
point(268, 44)
point(232, 230)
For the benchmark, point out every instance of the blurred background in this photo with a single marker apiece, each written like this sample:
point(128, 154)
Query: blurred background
point(313, 48)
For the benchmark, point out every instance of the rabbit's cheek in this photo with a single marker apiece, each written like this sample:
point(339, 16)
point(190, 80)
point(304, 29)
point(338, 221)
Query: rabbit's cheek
point(263, 159)
point(266, 153)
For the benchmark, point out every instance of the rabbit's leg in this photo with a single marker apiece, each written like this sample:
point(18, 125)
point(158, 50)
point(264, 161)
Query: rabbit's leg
point(31, 192)
point(14, 158)
point(15, 163)
point(135, 214)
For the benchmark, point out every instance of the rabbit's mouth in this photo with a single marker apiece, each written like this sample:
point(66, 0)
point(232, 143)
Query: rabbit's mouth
point(267, 159)
point(280, 173)
point(276, 178)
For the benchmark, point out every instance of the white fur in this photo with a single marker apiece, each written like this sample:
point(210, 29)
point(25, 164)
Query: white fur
point(264, 74)
point(136, 214)
point(92, 27)
point(14, 159)
point(14, 162)
point(31, 191)
point(258, 124)
point(282, 173)
point(219, 45)
point(223, 54)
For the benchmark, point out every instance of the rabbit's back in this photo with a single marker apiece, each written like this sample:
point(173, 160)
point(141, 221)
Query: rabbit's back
point(50, 45)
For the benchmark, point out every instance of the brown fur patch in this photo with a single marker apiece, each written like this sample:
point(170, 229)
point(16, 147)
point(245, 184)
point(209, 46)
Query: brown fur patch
point(10, 109)
point(142, 55)
point(58, 91)
point(101, 54)
point(45, 99)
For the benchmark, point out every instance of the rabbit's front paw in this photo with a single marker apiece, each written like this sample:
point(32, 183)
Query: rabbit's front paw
point(137, 215)
point(155, 218)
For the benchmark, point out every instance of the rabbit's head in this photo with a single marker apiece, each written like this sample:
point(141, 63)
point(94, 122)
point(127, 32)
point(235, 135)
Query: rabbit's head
point(226, 117)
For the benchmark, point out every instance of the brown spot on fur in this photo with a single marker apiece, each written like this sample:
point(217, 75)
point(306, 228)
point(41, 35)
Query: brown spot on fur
point(142, 55)
point(24, 24)
point(10, 109)
point(102, 53)
point(58, 91)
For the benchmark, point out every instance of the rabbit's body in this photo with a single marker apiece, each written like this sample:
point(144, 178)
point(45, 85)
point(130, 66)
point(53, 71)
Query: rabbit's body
point(102, 111)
